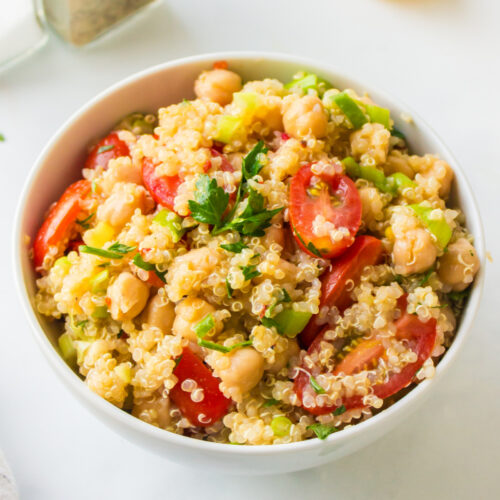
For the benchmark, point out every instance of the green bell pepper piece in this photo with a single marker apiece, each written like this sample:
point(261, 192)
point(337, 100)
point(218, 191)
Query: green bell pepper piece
point(379, 115)
point(349, 107)
point(439, 228)
point(172, 221)
point(290, 322)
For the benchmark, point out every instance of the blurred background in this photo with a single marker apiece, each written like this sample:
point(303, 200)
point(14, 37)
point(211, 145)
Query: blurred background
point(439, 56)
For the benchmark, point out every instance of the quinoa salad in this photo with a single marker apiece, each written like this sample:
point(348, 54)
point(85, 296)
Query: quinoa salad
point(263, 264)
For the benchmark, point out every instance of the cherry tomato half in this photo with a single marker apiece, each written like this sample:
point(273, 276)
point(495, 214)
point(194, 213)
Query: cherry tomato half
point(106, 149)
point(332, 196)
point(420, 339)
point(163, 189)
point(57, 226)
point(214, 404)
point(365, 251)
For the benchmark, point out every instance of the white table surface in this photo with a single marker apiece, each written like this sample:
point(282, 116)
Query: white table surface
point(440, 56)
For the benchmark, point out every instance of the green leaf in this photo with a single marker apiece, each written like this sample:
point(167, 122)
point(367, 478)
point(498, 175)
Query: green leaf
point(249, 272)
point(100, 252)
point(204, 326)
point(234, 247)
point(322, 431)
point(103, 149)
point(425, 277)
point(270, 402)
point(269, 323)
point(351, 110)
point(177, 361)
point(314, 384)
point(211, 201)
point(229, 289)
point(251, 165)
point(85, 222)
point(222, 348)
point(310, 246)
point(339, 410)
point(140, 262)
point(121, 248)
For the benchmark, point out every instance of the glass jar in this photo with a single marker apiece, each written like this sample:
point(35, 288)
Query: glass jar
point(22, 30)
point(81, 21)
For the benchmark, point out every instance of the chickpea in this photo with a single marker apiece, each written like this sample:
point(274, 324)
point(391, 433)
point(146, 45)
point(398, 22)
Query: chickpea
point(121, 205)
point(373, 205)
point(243, 373)
point(443, 174)
point(187, 313)
point(282, 358)
point(274, 234)
point(128, 296)
point(155, 411)
point(122, 170)
point(414, 252)
point(159, 313)
point(305, 117)
point(398, 162)
point(217, 85)
point(459, 265)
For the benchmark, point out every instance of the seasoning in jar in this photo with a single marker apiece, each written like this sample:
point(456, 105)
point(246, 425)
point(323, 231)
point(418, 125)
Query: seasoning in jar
point(82, 21)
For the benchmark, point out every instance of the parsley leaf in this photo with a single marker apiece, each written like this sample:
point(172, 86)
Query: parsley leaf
point(310, 246)
point(177, 361)
point(339, 410)
point(234, 247)
point(314, 384)
point(100, 252)
point(269, 323)
point(103, 149)
point(251, 165)
point(270, 402)
point(211, 201)
point(322, 431)
point(147, 266)
point(121, 248)
point(249, 272)
point(425, 277)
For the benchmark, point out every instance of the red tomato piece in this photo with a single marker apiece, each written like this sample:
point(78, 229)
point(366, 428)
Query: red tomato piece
point(74, 244)
point(220, 65)
point(57, 226)
point(420, 337)
point(163, 189)
point(225, 164)
point(214, 404)
point(106, 149)
point(365, 251)
point(333, 196)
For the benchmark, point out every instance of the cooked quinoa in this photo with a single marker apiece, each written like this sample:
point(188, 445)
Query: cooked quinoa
point(264, 264)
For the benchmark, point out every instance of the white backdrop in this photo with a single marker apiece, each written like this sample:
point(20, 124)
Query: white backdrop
point(442, 57)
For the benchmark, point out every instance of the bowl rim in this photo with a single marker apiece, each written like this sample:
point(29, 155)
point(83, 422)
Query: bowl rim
point(70, 378)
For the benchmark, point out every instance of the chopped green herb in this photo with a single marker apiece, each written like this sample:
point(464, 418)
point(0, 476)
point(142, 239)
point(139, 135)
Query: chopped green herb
point(286, 297)
point(425, 277)
point(339, 410)
point(229, 289)
point(398, 278)
point(281, 426)
point(251, 165)
point(310, 246)
point(103, 149)
point(85, 222)
point(322, 431)
point(222, 348)
point(121, 333)
point(314, 384)
point(82, 324)
point(121, 248)
point(249, 272)
point(270, 402)
point(397, 133)
point(100, 252)
point(147, 266)
point(234, 247)
point(177, 361)
point(269, 323)
point(458, 296)
point(211, 201)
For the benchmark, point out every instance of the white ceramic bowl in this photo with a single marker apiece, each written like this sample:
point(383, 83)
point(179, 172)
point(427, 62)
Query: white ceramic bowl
point(60, 164)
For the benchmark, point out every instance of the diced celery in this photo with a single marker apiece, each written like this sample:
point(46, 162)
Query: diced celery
point(172, 221)
point(349, 107)
point(124, 371)
point(401, 181)
point(379, 115)
point(281, 426)
point(63, 263)
point(309, 81)
point(81, 349)
point(247, 102)
point(290, 322)
point(99, 282)
point(227, 128)
point(438, 227)
point(100, 312)
point(369, 173)
point(67, 348)
point(99, 235)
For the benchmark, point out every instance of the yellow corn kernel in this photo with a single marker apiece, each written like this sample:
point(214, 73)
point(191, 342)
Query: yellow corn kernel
point(124, 371)
point(99, 235)
point(389, 233)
